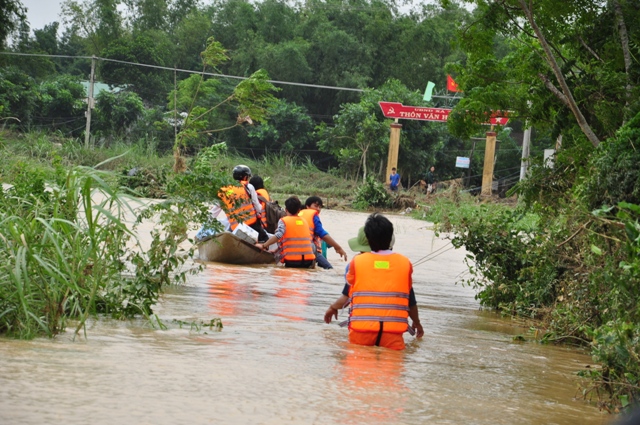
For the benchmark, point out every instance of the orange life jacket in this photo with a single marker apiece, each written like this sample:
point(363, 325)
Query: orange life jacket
point(265, 195)
point(308, 214)
point(239, 205)
point(380, 294)
point(295, 244)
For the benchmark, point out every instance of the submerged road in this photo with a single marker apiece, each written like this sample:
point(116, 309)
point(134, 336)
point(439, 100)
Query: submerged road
point(276, 362)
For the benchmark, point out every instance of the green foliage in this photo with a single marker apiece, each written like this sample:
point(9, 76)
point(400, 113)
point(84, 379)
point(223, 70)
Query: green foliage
point(18, 96)
point(145, 181)
point(150, 47)
point(254, 97)
point(578, 84)
point(116, 113)
point(251, 99)
point(614, 175)
point(616, 346)
point(12, 15)
point(64, 252)
point(372, 193)
point(288, 129)
point(202, 183)
point(576, 271)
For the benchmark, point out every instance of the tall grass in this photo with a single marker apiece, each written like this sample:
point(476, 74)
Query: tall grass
point(63, 252)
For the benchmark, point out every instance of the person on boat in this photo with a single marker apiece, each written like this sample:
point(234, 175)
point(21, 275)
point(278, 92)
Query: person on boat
point(242, 202)
point(296, 247)
point(216, 222)
point(311, 214)
point(379, 290)
point(258, 185)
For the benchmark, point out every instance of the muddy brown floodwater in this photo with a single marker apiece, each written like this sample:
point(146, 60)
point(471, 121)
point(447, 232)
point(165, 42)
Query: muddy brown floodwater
point(276, 361)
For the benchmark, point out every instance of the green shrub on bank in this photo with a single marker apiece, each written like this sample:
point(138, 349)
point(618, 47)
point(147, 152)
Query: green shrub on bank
point(372, 193)
point(64, 254)
point(574, 269)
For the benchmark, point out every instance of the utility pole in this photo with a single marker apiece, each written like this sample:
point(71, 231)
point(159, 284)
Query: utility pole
point(526, 148)
point(87, 131)
point(175, 104)
point(489, 157)
point(394, 147)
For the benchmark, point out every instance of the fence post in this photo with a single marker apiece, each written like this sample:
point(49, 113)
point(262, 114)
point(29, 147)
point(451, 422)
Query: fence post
point(489, 157)
point(87, 131)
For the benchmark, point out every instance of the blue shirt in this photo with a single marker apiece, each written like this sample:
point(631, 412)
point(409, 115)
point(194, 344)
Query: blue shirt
point(395, 179)
point(318, 230)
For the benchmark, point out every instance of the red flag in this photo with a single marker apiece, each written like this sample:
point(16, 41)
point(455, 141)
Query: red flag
point(451, 84)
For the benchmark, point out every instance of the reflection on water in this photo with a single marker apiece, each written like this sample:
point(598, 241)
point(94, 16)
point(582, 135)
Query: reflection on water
point(277, 362)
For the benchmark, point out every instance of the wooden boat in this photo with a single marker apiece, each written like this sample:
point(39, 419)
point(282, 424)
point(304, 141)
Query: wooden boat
point(228, 248)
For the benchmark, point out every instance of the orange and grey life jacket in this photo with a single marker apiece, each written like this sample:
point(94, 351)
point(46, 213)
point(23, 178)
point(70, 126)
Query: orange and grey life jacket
point(239, 205)
point(380, 295)
point(308, 214)
point(265, 195)
point(295, 244)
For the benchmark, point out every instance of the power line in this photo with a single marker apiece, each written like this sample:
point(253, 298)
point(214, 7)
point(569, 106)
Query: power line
point(290, 83)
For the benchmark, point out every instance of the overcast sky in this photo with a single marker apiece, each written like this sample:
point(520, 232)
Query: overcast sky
point(42, 12)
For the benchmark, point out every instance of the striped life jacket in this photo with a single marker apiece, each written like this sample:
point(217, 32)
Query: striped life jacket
point(265, 195)
point(239, 205)
point(380, 295)
point(308, 214)
point(295, 244)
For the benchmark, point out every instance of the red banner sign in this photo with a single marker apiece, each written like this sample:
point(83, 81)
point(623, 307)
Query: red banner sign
point(499, 120)
point(400, 111)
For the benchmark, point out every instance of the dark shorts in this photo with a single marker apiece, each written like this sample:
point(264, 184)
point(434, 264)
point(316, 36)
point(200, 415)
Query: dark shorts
point(305, 264)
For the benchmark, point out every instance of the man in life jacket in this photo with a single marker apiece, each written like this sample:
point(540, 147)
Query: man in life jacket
point(311, 214)
point(258, 185)
point(379, 290)
point(296, 248)
point(242, 202)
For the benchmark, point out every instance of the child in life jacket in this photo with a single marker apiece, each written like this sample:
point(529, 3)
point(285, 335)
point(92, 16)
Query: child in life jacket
point(379, 290)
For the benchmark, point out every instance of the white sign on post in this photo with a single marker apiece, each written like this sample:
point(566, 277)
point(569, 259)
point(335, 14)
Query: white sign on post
point(549, 157)
point(462, 162)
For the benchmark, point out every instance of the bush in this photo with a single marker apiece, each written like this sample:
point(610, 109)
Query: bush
point(64, 254)
point(116, 113)
point(372, 194)
point(614, 173)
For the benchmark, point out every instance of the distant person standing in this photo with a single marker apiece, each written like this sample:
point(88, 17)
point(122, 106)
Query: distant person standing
point(431, 180)
point(394, 180)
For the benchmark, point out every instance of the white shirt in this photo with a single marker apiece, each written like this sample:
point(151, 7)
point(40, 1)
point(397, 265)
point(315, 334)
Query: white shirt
point(254, 198)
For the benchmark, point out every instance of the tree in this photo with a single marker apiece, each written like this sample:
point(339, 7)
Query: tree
point(251, 99)
point(18, 96)
point(61, 103)
point(46, 39)
point(152, 48)
point(116, 113)
point(149, 14)
point(190, 36)
point(12, 15)
point(289, 129)
point(567, 60)
point(97, 21)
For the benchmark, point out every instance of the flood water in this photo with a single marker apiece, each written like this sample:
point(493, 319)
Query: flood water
point(276, 361)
